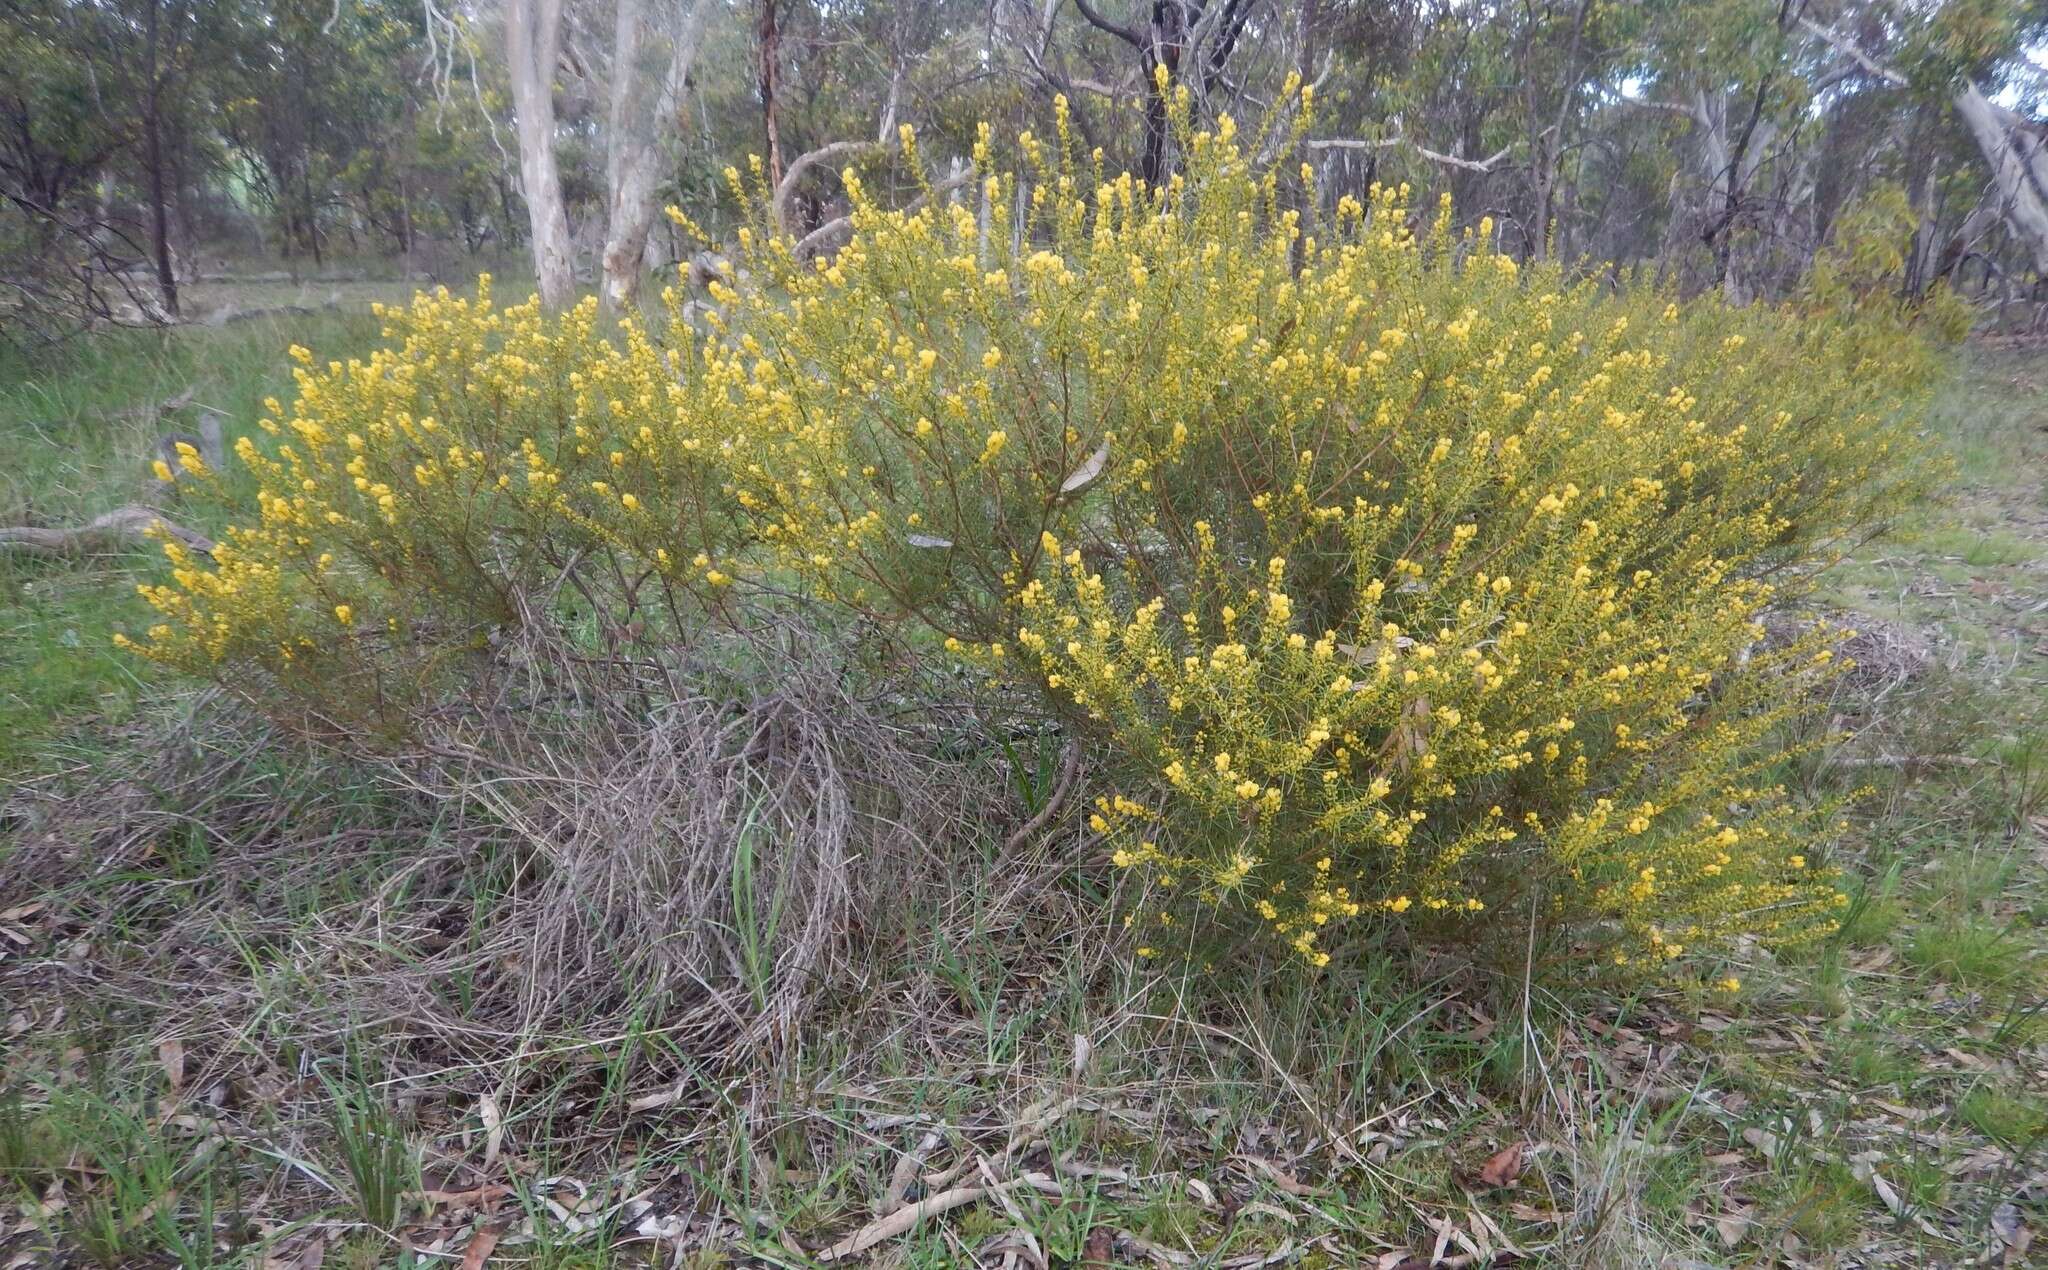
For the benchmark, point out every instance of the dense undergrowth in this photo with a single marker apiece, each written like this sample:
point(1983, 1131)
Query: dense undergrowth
point(1376, 576)
point(631, 913)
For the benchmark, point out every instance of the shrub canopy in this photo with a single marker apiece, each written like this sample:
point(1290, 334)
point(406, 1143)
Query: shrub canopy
point(1390, 578)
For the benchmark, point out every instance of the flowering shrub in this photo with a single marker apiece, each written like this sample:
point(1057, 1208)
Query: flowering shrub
point(1391, 578)
point(417, 506)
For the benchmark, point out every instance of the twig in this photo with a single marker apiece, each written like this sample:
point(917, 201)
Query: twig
point(907, 1167)
point(809, 242)
point(1484, 165)
point(911, 1214)
point(1070, 775)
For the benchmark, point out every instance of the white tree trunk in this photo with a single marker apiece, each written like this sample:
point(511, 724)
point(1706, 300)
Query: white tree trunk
point(533, 32)
point(2018, 159)
point(650, 72)
point(2019, 168)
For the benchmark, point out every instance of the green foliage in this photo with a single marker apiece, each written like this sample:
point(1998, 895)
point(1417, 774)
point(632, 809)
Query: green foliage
point(1865, 266)
point(2012, 1118)
point(1963, 39)
point(152, 1196)
point(376, 1156)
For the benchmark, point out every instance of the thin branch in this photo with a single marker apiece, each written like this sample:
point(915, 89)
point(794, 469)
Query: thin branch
point(1849, 48)
point(1484, 165)
point(122, 527)
point(785, 190)
point(1070, 775)
point(1650, 103)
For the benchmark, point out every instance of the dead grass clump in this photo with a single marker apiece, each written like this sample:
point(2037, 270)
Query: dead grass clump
point(1888, 657)
point(709, 866)
point(715, 858)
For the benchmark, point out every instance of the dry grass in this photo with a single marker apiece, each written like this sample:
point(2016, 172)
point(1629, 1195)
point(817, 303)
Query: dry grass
point(718, 862)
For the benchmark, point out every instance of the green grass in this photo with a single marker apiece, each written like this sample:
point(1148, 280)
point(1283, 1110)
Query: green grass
point(2014, 1118)
point(1969, 952)
point(158, 1193)
point(79, 431)
point(376, 1155)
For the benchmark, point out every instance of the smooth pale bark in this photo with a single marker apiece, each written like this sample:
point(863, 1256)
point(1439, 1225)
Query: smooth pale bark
point(2019, 169)
point(650, 72)
point(533, 32)
point(2018, 159)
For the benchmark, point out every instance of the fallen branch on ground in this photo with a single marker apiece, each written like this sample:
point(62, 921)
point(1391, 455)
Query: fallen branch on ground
point(840, 224)
point(122, 527)
point(910, 1215)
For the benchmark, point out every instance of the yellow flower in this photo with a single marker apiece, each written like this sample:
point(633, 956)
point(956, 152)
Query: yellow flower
point(344, 614)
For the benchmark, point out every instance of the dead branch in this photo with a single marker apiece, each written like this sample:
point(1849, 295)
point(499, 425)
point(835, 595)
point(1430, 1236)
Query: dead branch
point(785, 189)
point(1849, 48)
point(123, 527)
point(1063, 788)
point(1484, 165)
point(910, 1215)
point(208, 441)
point(816, 238)
point(905, 1173)
point(1128, 34)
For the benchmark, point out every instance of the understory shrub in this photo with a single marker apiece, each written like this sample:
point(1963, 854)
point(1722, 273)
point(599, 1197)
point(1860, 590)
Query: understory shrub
point(1389, 579)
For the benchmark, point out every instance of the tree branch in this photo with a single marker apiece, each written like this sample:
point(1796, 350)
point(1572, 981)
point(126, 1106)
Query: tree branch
point(1849, 48)
point(1128, 35)
point(1484, 165)
point(122, 527)
point(811, 241)
point(785, 190)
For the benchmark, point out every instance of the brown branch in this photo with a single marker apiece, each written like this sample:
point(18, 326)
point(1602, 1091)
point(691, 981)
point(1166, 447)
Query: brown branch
point(1849, 48)
point(785, 189)
point(1069, 777)
point(1651, 103)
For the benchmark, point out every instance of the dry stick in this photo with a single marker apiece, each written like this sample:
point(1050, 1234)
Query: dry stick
point(122, 527)
point(907, 1167)
point(810, 241)
point(1070, 772)
point(1033, 1124)
point(1014, 1213)
point(1484, 165)
point(911, 1214)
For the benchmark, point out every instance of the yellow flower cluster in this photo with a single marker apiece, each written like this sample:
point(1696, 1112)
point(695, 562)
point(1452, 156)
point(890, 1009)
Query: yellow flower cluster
point(416, 506)
point(1393, 579)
